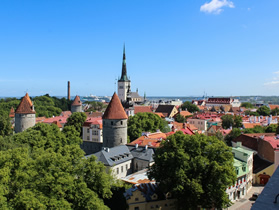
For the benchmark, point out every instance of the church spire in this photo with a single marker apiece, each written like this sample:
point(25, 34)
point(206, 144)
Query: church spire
point(124, 76)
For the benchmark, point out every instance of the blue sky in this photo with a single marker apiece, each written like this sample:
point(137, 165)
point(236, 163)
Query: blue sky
point(173, 48)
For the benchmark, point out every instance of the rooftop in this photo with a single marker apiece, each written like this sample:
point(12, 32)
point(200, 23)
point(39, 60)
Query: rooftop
point(115, 109)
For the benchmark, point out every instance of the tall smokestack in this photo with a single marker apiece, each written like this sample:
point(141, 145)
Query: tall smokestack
point(69, 91)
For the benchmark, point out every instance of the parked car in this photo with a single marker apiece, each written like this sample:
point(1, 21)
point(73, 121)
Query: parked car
point(254, 196)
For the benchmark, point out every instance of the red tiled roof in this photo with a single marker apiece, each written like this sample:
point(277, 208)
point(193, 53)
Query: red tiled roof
point(60, 119)
point(185, 113)
point(142, 109)
point(94, 114)
point(66, 113)
point(12, 113)
point(40, 119)
point(77, 101)
point(160, 114)
point(152, 140)
point(93, 121)
point(25, 106)
point(115, 109)
point(273, 106)
point(218, 101)
point(57, 123)
point(250, 125)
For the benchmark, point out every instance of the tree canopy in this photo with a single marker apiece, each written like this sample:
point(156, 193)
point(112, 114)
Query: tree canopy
point(264, 111)
point(180, 118)
point(274, 111)
point(77, 120)
point(195, 169)
point(247, 105)
point(44, 168)
point(190, 107)
point(227, 121)
point(142, 122)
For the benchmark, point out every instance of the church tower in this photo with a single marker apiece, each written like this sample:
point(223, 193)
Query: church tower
point(25, 115)
point(114, 124)
point(76, 105)
point(124, 83)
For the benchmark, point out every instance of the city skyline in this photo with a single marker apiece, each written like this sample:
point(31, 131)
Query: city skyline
point(181, 48)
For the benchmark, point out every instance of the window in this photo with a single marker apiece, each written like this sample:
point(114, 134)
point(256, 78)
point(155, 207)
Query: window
point(121, 123)
point(137, 208)
point(87, 137)
point(111, 123)
point(121, 169)
point(120, 87)
point(126, 167)
point(87, 130)
point(136, 199)
point(117, 171)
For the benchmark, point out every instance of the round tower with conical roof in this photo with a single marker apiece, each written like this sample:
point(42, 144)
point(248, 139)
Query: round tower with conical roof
point(76, 105)
point(114, 124)
point(25, 115)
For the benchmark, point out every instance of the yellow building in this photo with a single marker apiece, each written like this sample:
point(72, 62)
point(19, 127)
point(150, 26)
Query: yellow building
point(148, 196)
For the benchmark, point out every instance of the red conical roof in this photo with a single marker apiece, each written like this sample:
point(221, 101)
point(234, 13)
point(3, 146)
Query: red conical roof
point(77, 101)
point(115, 109)
point(25, 106)
point(12, 113)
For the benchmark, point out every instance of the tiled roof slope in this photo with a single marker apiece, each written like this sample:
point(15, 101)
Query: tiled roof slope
point(77, 101)
point(115, 109)
point(165, 109)
point(25, 106)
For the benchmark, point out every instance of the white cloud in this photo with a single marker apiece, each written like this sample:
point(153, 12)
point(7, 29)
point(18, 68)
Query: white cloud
point(275, 80)
point(215, 6)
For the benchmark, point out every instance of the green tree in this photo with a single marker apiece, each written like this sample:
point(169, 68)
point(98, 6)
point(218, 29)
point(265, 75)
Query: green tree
point(248, 112)
point(199, 169)
point(227, 121)
point(142, 122)
point(5, 125)
point(271, 128)
point(187, 105)
point(274, 112)
point(77, 119)
point(264, 111)
point(247, 105)
point(256, 129)
point(44, 179)
point(180, 118)
point(235, 132)
point(277, 129)
point(237, 121)
point(219, 136)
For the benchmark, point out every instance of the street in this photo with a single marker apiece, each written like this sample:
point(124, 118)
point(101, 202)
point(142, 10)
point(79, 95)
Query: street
point(245, 203)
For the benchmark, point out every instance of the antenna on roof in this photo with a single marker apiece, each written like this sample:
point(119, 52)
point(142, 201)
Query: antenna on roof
point(115, 81)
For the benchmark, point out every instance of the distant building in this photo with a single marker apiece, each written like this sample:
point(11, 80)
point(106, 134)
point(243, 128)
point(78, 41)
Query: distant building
point(167, 110)
point(124, 86)
point(92, 129)
point(222, 101)
point(148, 196)
point(76, 105)
point(25, 115)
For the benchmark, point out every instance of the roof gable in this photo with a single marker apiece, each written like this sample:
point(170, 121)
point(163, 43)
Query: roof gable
point(77, 101)
point(115, 109)
point(25, 106)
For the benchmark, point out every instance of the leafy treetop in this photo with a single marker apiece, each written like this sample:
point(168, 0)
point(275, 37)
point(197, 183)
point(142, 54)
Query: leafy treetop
point(199, 169)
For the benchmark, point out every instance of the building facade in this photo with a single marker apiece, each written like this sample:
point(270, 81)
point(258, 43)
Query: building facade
point(114, 124)
point(25, 115)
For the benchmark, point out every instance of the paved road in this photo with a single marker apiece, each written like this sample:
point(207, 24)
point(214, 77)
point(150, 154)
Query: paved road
point(245, 203)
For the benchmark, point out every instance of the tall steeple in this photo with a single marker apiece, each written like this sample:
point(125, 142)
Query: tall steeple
point(124, 76)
